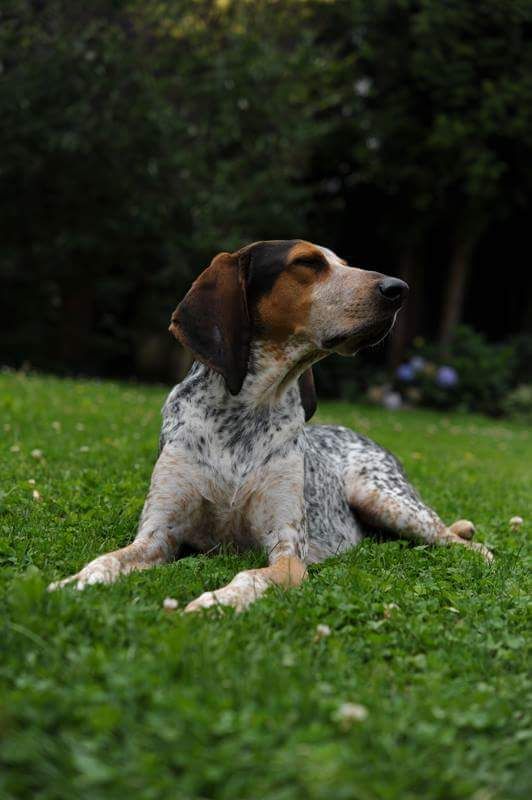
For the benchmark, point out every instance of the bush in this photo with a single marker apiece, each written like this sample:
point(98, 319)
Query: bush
point(518, 403)
point(473, 375)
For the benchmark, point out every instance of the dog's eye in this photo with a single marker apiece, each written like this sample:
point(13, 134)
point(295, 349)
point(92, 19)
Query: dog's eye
point(314, 262)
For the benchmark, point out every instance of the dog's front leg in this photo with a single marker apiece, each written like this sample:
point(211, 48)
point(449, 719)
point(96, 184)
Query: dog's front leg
point(276, 517)
point(249, 585)
point(170, 512)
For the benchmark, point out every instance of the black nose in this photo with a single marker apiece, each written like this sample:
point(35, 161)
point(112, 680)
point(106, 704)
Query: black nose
point(393, 289)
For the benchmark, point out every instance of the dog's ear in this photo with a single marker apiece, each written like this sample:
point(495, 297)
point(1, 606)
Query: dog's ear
point(307, 391)
point(213, 321)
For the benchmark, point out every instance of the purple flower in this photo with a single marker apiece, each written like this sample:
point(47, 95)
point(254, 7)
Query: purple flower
point(405, 373)
point(446, 377)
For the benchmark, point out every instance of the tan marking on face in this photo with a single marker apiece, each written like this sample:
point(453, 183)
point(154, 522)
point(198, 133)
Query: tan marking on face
point(307, 252)
point(285, 310)
point(331, 257)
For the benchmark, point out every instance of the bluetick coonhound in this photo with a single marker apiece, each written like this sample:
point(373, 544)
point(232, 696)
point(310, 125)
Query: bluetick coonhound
point(237, 462)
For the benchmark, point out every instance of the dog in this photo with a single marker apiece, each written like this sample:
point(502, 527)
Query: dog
point(237, 462)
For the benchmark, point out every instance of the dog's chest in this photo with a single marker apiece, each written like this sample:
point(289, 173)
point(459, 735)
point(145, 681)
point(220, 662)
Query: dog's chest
point(239, 506)
point(225, 510)
point(242, 478)
point(244, 463)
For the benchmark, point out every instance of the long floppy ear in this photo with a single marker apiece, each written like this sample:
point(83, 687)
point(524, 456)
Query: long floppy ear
point(307, 391)
point(212, 320)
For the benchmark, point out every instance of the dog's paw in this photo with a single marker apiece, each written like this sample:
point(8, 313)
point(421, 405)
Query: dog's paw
point(104, 569)
point(205, 600)
point(55, 585)
point(244, 589)
point(463, 528)
point(224, 597)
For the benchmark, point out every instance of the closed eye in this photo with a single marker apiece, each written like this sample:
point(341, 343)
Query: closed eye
point(316, 262)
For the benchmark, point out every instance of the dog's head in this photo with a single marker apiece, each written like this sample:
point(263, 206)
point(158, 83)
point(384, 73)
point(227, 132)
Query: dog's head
point(287, 295)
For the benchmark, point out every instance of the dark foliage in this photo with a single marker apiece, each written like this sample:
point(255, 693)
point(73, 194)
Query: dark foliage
point(140, 138)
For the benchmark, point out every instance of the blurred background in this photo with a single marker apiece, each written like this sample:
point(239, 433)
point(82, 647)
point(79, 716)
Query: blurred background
point(140, 138)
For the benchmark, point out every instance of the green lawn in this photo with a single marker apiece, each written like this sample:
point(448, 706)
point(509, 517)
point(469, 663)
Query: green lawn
point(103, 695)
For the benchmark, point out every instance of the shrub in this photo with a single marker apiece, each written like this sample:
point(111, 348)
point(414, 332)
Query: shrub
point(473, 375)
point(518, 403)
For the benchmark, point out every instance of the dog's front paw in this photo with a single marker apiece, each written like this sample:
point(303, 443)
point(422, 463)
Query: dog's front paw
point(226, 596)
point(205, 600)
point(55, 585)
point(104, 569)
point(244, 589)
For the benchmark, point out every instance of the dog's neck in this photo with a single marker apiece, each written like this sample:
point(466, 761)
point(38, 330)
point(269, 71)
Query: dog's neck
point(270, 384)
point(274, 371)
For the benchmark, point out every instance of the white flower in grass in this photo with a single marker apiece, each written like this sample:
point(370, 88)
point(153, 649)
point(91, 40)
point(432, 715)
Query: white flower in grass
point(15, 448)
point(170, 604)
point(31, 481)
point(389, 608)
point(37, 454)
point(56, 426)
point(84, 449)
point(37, 496)
point(516, 523)
point(322, 631)
point(348, 713)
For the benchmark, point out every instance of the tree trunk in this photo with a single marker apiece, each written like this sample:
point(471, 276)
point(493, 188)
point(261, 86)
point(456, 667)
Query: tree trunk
point(76, 324)
point(453, 304)
point(406, 324)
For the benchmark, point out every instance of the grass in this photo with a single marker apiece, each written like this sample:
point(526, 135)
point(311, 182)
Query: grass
point(103, 695)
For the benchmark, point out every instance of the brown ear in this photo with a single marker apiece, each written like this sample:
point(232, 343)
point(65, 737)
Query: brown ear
point(307, 391)
point(212, 320)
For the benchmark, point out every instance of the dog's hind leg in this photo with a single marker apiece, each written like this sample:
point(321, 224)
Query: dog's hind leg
point(382, 497)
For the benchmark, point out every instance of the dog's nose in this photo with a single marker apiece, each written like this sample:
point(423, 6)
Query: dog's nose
point(393, 289)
